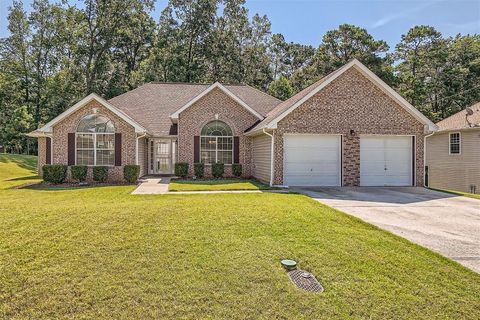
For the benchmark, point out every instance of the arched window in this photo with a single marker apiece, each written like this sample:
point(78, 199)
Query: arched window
point(95, 141)
point(216, 143)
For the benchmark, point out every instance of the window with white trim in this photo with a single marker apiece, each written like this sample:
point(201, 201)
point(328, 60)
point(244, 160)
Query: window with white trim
point(95, 141)
point(455, 143)
point(216, 143)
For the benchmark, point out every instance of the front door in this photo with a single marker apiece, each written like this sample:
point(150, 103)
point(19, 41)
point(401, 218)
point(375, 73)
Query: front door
point(163, 156)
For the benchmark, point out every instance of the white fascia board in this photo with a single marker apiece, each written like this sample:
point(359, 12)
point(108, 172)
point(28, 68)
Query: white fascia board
point(93, 96)
point(376, 80)
point(174, 116)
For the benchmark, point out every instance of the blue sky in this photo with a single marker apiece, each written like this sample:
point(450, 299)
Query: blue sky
point(306, 21)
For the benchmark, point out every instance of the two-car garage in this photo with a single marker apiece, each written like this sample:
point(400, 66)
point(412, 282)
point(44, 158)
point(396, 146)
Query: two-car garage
point(316, 160)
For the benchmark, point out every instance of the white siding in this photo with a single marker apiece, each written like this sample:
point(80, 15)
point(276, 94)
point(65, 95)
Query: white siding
point(261, 154)
point(454, 172)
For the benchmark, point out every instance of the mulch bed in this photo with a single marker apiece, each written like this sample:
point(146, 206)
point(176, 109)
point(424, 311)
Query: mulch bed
point(70, 185)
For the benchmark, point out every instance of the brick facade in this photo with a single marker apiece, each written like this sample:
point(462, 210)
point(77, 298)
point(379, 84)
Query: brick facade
point(69, 125)
point(192, 120)
point(350, 102)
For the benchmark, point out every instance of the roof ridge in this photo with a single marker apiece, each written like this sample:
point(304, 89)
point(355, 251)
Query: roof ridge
point(196, 83)
point(264, 93)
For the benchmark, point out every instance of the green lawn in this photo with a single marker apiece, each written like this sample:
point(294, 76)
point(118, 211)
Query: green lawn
point(103, 253)
point(217, 185)
point(460, 193)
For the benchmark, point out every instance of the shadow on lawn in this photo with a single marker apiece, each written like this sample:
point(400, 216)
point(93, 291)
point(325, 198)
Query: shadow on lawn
point(23, 161)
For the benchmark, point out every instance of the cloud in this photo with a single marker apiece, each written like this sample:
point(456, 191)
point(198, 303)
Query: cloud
point(402, 14)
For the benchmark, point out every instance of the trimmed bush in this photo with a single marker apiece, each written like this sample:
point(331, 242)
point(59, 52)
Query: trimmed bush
point(237, 169)
point(217, 170)
point(79, 173)
point(100, 173)
point(181, 169)
point(199, 170)
point(131, 173)
point(54, 173)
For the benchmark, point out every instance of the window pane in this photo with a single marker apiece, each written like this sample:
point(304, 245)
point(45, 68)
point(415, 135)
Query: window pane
point(216, 128)
point(95, 123)
point(225, 143)
point(207, 156)
point(85, 141)
point(105, 157)
point(105, 141)
point(208, 143)
point(225, 157)
point(455, 143)
point(85, 157)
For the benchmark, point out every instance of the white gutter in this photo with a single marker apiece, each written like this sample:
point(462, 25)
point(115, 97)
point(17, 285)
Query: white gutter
point(136, 147)
point(425, 155)
point(271, 155)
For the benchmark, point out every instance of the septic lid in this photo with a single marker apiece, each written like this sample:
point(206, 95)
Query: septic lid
point(289, 264)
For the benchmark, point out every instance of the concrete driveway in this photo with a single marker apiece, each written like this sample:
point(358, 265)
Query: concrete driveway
point(445, 223)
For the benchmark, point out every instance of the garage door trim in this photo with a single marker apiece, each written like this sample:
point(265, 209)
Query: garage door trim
point(340, 152)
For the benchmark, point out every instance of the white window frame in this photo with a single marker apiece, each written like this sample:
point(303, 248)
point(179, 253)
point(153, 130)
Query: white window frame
point(216, 148)
point(95, 134)
point(459, 143)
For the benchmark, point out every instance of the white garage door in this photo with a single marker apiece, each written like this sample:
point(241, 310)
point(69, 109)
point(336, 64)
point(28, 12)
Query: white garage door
point(386, 161)
point(312, 160)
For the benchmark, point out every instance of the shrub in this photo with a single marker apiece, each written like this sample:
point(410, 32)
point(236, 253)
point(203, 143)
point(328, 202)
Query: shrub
point(237, 169)
point(100, 173)
point(131, 173)
point(217, 170)
point(181, 169)
point(54, 173)
point(79, 173)
point(199, 170)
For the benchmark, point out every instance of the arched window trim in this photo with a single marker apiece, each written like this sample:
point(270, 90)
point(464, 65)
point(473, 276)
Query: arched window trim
point(216, 148)
point(95, 148)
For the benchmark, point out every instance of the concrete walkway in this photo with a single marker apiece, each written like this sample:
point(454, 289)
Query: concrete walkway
point(442, 222)
point(153, 185)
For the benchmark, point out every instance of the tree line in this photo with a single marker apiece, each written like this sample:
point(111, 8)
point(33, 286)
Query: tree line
point(57, 53)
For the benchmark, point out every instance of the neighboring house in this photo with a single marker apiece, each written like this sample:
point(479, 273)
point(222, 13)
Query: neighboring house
point(453, 153)
point(347, 129)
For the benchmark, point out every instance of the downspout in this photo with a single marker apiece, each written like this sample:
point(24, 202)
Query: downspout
point(136, 147)
point(271, 155)
point(425, 156)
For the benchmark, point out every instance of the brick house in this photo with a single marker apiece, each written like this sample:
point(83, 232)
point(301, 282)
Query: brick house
point(348, 129)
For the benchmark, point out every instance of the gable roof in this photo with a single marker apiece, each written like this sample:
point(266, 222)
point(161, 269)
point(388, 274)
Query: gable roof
point(153, 103)
point(47, 129)
point(175, 115)
point(284, 108)
point(460, 120)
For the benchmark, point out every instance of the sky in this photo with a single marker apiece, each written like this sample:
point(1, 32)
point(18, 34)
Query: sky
point(306, 21)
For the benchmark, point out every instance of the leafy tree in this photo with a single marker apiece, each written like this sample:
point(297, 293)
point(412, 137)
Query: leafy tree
point(280, 88)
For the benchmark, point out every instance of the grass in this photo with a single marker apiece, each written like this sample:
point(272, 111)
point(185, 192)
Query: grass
point(460, 193)
point(217, 185)
point(103, 253)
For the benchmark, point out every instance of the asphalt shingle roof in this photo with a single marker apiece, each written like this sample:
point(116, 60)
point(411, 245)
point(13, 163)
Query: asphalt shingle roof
point(152, 104)
point(459, 121)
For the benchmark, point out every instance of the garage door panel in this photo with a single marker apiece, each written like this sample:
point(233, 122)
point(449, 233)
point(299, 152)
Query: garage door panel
point(312, 160)
point(386, 161)
point(298, 155)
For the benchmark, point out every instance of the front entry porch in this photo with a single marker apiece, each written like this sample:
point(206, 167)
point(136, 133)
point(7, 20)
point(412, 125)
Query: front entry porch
point(162, 154)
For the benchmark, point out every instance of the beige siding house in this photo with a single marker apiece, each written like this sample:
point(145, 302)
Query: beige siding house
point(453, 153)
